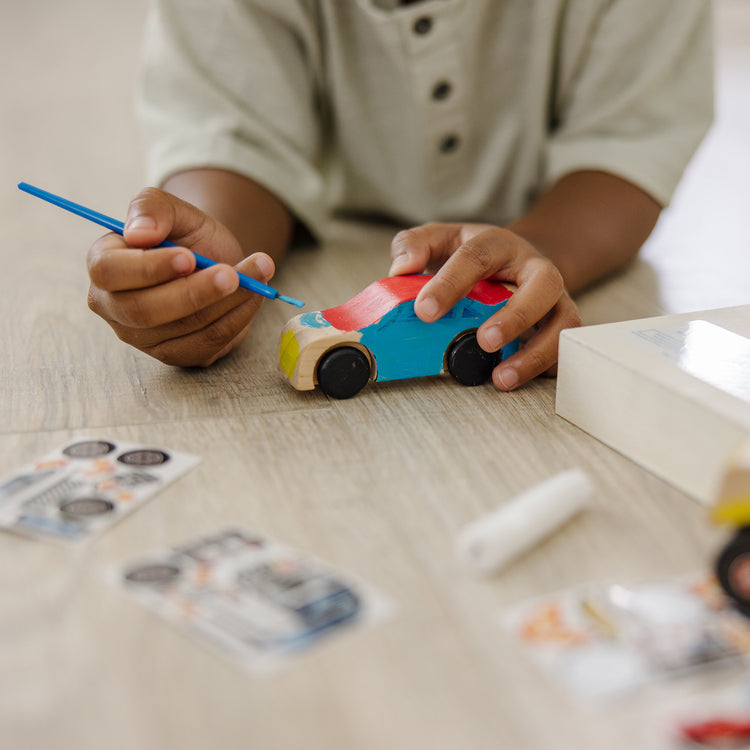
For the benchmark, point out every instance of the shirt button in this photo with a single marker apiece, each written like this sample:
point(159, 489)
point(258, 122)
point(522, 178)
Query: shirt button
point(441, 90)
point(450, 143)
point(422, 26)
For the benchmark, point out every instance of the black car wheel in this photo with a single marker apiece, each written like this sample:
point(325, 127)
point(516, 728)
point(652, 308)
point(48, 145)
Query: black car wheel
point(343, 372)
point(468, 363)
point(733, 569)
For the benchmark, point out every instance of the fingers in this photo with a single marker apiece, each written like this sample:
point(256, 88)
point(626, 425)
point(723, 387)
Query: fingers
point(203, 347)
point(539, 354)
point(114, 266)
point(151, 295)
point(481, 251)
point(413, 250)
point(258, 265)
point(187, 321)
point(540, 287)
point(468, 253)
point(183, 305)
point(174, 300)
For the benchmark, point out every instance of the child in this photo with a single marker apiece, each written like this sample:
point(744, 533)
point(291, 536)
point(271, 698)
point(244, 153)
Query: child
point(532, 142)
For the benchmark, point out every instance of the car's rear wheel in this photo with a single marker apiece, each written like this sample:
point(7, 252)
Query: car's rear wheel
point(468, 363)
point(343, 372)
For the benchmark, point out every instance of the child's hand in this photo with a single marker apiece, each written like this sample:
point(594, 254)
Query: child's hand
point(151, 297)
point(468, 253)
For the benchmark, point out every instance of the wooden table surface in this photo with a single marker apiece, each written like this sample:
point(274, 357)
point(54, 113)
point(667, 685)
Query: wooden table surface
point(378, 485)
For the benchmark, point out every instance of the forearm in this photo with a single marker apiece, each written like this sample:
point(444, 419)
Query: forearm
point(589, 224)
point(256, 217)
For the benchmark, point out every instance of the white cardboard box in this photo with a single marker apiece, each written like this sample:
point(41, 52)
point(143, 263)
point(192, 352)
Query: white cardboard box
point(672, 393)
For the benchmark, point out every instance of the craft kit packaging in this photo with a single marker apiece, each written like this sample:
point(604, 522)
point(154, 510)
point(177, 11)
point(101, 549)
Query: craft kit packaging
point(671, 393)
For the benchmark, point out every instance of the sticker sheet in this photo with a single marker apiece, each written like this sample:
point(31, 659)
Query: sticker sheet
point(81, 489)
point(256, 600)
point(602, 641)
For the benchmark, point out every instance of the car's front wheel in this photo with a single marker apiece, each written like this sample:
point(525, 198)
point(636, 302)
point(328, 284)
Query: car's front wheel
point(468, 363)
point(343, 372)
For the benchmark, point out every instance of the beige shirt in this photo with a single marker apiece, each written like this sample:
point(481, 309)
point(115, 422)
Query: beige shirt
point(437, 110)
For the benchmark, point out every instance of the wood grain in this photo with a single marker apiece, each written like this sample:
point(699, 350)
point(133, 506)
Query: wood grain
point(379, 484)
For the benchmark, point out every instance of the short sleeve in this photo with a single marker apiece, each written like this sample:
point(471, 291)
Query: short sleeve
point(231, 84)
point(635, 93)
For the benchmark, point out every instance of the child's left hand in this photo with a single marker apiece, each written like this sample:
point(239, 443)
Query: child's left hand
point(467, 253)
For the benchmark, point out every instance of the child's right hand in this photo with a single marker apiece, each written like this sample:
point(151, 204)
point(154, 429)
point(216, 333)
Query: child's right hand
point(151, 297)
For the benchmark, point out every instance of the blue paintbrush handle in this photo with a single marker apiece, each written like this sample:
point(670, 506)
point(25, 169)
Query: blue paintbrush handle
point(246, 282)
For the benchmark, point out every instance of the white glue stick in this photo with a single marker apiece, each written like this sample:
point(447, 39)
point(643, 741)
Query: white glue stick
point(493, 540)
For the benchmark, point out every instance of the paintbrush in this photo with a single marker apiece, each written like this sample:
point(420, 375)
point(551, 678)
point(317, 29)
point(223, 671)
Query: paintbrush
point(246, 282)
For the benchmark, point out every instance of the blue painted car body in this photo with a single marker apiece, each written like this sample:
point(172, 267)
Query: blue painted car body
point(405, 347)
point(381, 322)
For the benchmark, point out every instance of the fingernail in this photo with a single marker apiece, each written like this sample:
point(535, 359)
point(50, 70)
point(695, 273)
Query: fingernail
point(181, 263)
point(140, 222)
point(398, 262)
point(226, 281)
point(429, 308)
point(507, 378)
point(265, 266)
point(493, 338)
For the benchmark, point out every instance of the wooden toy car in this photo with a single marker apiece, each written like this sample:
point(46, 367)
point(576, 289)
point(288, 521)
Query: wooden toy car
point(377, 335)
point(733, 507)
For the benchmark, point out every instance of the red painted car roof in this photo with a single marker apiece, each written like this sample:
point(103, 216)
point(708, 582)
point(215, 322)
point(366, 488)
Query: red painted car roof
point(374, 301)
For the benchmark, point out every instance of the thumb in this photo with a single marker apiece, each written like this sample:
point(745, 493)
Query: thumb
point(155, 215)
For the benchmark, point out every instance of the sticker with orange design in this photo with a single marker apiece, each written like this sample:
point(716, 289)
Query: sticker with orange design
point(604, 640)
